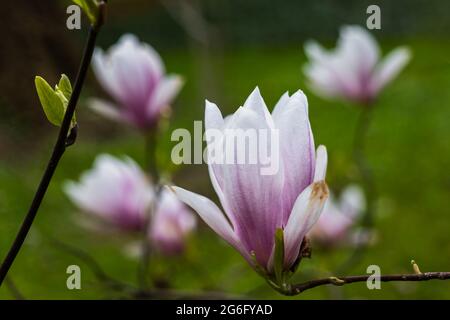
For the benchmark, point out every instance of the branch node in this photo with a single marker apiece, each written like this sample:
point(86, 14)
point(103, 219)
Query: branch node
point(336, 281)
point(72, 136)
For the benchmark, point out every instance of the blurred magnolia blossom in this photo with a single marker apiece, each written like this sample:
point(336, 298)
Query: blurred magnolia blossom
point(171, 224)
point(353, 70)
point(114, 190)
point(133, 74)
point(258, 206)
point(118, 193)
point(338, 217)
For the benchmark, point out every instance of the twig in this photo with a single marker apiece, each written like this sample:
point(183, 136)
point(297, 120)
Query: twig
point(15, 292)
point(92, 264)
point(340, 281)
point(189, 17)
point(132, 291)
point(64, 140)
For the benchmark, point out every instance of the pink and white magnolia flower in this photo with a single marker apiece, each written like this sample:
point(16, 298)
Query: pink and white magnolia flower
point(339, 216)
point(256, 205)
point(115, 190)
point(134, 75)
point(118, 192)
point(353, 71)
point(171, 224)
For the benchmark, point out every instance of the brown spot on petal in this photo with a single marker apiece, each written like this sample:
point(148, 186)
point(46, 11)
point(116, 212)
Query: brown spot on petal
point(320, 190)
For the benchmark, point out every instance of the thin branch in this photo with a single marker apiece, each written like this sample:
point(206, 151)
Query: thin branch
point(15, 292)
point(129, 289)
point(188, 15)
point(92, 264)
point(340, 281)
point(64, 140)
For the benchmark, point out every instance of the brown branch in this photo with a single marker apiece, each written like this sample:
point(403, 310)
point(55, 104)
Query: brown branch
point(340, 281)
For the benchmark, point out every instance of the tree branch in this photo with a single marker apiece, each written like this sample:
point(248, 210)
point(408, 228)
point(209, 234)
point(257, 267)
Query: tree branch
point(65, 139)
point(340, 281)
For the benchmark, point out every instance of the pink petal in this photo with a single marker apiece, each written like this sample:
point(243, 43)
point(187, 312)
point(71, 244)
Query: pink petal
point(306, 211)
point(209, 212)
point(297, 147)
point(390, 67)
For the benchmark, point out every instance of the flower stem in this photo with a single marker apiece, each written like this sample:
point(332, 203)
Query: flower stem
point(65, 139)
point(363, 166)
point(151, 164)
point(370, 192)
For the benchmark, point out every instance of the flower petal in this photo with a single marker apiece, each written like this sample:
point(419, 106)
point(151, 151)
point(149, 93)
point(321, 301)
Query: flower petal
point(105, 108)
point(352, 201)
point(361, 46)
point(294, 128)
point(165, 92)
point(256, 103)
point(306, 211)
point(209, 212)
point(254, 199)
point(321, 164)
point(390, 67)
point(104, 73)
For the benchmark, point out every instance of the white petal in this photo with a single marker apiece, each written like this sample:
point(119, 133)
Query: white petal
point(306, 211)
point(209, 212)
point(256, 103)
point(297, 148)
point(321, 163)
point(352, 201)
point(105, 108)
point(165, 92)
point(315, 51)
point(213, 116)
point(362, 44)
point(390, 67)
point(105, 74)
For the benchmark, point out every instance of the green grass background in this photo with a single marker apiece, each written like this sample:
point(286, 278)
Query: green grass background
point(407, 146)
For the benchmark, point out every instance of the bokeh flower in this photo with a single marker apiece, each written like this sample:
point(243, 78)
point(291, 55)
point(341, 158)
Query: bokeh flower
point(353, 70)
point(114, 190)
point(338, 217)
point(133, 74)
point(118, 193)
point(171, 224)
point(256, 205)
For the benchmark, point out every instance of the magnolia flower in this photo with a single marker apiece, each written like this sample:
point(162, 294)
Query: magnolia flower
point(118, 192)
point(115, 190)
point(256, 206)
point(338, 216)
point(353, 71)
point(171, 224)
point(133, 74)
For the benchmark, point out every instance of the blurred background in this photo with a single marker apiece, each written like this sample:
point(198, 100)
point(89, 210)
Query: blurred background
point(224, 48)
